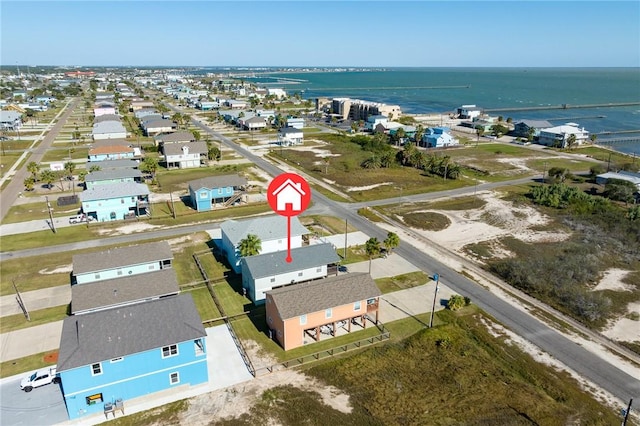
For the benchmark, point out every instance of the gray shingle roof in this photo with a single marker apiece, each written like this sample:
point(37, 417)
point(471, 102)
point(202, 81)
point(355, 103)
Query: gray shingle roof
point(269, 264)
point(119, 291)
point(108, 127)
point(538, 124)
point(113, 164)
point(112, 174)
point(289, 130)
point(314, 296)
point(267, 228)
point(181, 136)
point(114, 190)
point(176, 148)
point(104, 335)
point(155, 124)
point(120, 257)
point(107, 117)
point(223, 181)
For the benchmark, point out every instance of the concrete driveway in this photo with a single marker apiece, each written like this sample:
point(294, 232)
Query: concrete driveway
point(42, 406)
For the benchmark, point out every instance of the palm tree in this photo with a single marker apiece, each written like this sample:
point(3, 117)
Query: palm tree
point(250, 246)
point(94, 168)
point(593, 137)
point(29, 183)
point(400, 134)
point(149, 165)
point(419, 134)
point(33, 168)
point(47, 176)
point(326, 161)
point(571, 141)
point(196, 135)
point(69, 166)
point(392, 241)
point(372, 247)
point(387, 158)
point(372, 162)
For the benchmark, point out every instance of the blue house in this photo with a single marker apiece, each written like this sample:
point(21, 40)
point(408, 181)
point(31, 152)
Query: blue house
point(116, 201)
point(121, 262)
point(111, 356)
point(110, 176)
point(216, 191)
point(438, 137)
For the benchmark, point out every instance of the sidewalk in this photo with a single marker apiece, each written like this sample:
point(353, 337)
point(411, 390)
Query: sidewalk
point(30, 341)
point(36, 299)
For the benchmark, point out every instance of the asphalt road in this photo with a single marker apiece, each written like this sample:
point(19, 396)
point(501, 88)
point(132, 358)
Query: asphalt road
point(42, 406)
point(587, 364)
point(16, 184)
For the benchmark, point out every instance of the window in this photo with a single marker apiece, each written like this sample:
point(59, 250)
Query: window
point(356, 306)
point(169, 351)
point(97, 276)
point(96, 369)
point(174, 378)
point(303, 319)
point(328, 313)
point(119, 271)
point(122, 201)
point(116, 359)
point(204, 194)
point(94, 399)
point(318, 269)
point(299, 274)
point(152, 267)
point(273, 280)
point(199, 346)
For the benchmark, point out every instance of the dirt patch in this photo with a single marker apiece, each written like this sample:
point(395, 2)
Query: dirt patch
point(237, 400)
point(51, 357)
point(128, 229)
point(368, 187)
point(59, 270)
point(612, 280)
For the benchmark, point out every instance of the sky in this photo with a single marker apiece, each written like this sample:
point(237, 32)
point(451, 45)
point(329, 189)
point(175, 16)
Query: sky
point(303, 33)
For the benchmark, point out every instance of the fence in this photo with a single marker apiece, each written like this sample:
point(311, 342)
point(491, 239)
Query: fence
point(327, 353)
point(243, 352)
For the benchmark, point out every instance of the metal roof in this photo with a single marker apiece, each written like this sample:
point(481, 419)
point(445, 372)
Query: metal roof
point(315, 296)
point(270, 264)
point(125, 290)
point(121, 257)
point(103, 335)
point(194, 147)
point(266, 228)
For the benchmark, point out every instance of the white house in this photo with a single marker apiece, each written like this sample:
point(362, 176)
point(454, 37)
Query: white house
point(10, 120)
point(264, 272)
point(109, 130)
point(469, 111)
point(184, 155)
point(374, 120)
point(559, 135)
point(622, 175)
point(277, 92)
point(295, 122)
point(290, 136)
point(271, 230)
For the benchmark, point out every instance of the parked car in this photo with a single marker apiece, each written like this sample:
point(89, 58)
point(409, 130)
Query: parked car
point(80, 218)
point(40, 378)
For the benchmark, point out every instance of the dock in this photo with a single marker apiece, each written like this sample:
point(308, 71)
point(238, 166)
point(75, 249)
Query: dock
point(562, 106)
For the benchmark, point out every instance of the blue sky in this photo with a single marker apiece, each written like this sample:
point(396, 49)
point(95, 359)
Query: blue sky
point(325, 33)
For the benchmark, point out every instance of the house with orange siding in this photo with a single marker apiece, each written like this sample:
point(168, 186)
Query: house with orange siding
point(298, 311)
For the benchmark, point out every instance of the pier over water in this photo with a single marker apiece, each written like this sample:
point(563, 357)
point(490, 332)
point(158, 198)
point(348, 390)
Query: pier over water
point(562, 106)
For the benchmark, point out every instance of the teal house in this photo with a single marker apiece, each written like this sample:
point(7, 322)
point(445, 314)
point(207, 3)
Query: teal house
point(110, 357)
point(121, 262)
point(216, 191)
point(116, 201)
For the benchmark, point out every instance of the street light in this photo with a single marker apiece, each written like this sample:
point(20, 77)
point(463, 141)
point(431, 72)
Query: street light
point(436, 277)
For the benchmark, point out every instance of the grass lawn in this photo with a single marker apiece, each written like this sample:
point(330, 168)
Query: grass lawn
point(204, 303)
point(177, 180)
point(34, 211)
point(401, 282)
point(8, 159)
point(41, 316)
point(29, 363)
point(326, 225)
point(63, 154)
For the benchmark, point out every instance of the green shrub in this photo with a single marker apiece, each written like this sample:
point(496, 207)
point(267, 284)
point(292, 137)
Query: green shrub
point(456, 302)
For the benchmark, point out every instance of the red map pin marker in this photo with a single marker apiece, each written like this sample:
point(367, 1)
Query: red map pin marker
point(288, 195)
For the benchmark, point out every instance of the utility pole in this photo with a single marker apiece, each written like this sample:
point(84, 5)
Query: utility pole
point(173, 207)
point(53, 226)
point(609, 162)
point(345, 239)
point(544, 172)
point(626, 413)
point(436, 277)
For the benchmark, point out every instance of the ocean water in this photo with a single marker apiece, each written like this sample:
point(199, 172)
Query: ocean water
point(437, 90)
